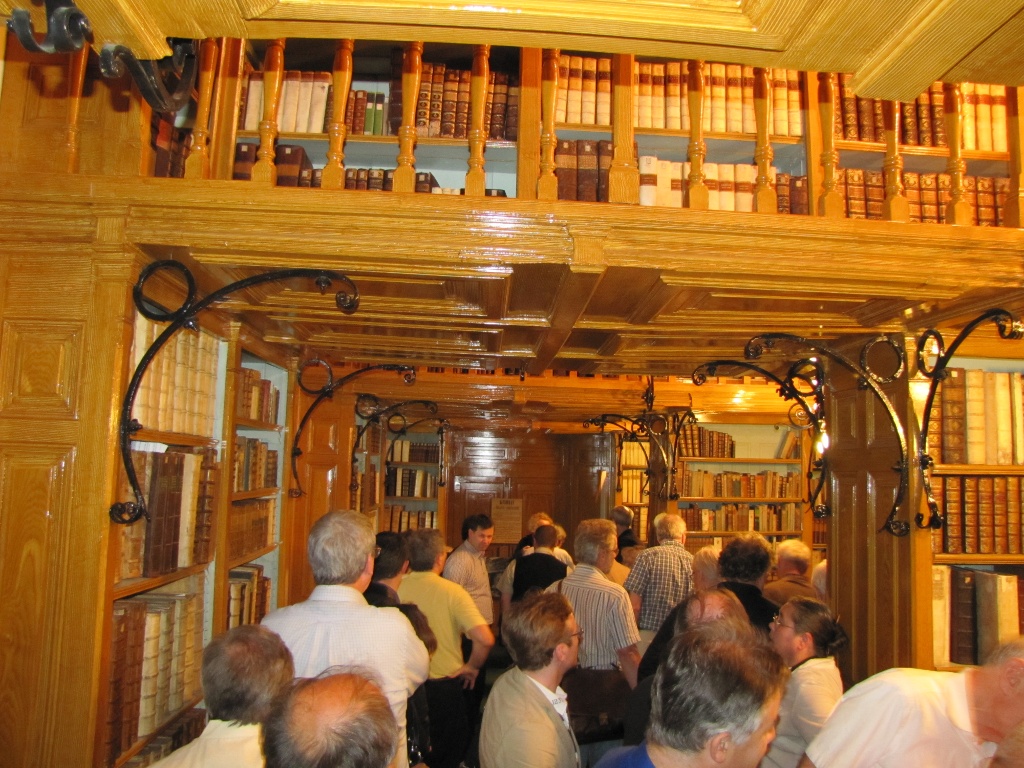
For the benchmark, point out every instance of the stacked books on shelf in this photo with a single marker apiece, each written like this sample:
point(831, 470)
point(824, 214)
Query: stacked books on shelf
point(188, 727)
point(696, 440)
point(982, 514)
point(742, 517)
point(979, 418)
point(397, 518)
point(443, 104)
point(249, 593)
point(155, 660)
point(256, 398)
point(302, 104)
point(179, 486)
point(633, 478)
point(250, 526)
point(410, 483)
point(767, 483)
point(973, 611)
point(417, 453)
point(254, 465)
point(176, 394)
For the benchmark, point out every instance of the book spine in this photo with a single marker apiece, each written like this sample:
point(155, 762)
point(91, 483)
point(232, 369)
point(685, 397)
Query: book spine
point(565, 168)
point(953, 531)
point(462, 104)
point(796, 120)
point(448, 104)
point(648, 166)
point(658, 105)
point(865, 118)
point(423, 99)
point(436, 104)
point(969, 127)
point(908, 123)
point(983, 116)
point(734, 98)
point(646, 92)
point(574, 105)
point(562, 89)
point(603, 109)
point(924, 119)
point(999, 124)
point(912, 191)
point(586, 170)
point(780, 102)
point(719, 105)
point(849, 107)
point(588, 94)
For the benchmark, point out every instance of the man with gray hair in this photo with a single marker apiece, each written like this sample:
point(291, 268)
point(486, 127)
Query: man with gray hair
point(622, 516)
point(336, 626)
point(921, 717)
point(792, 566)
point(661, 578)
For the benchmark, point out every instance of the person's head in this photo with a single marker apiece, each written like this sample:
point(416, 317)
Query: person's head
point(425, 546)
point(717, 695)
point(340, 548)
point(537, 519)
point(336, 720)
point(392, 559)
point(622, 517)
point(998, 693)
point(792, 557)
point(541, 629)
point(478, 530)
point(819, 579)
point(669, 526)
point(545, 536)
point(745, 558)
point(630, 554)
point(705, 567)
point(804, 629)
point(711, 605)
point(560, 535)
point(243, 671)
point(595, 539)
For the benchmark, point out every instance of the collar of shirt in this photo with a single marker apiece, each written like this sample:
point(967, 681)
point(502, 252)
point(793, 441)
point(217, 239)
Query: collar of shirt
point(337, 593)
point(558, 700)
point(545, 550)
point(469, 549)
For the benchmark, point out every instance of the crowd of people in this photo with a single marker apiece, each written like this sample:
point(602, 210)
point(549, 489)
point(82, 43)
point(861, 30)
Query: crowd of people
point(398, 658)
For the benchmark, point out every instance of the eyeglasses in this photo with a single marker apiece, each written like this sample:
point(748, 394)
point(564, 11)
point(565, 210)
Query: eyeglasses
point(578, 633)
point(777, 621)
point(376, 552)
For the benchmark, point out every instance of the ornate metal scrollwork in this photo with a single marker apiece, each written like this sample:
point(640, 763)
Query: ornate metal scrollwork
point(867, 379)
point(153, 76)
point(326, 392)
point(185, 317)
point(67, 28)
point(1009, 328)
point(804, 379)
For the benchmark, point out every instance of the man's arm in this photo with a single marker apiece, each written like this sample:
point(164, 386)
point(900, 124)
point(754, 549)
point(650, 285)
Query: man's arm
point(483, 641)
point(629, 660)
point(635, 601)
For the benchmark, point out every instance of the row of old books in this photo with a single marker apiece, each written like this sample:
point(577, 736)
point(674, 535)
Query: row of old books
point(660, 96)
point(973, 611)
point(698, 441)
point(176, 392)
point(170, 145)
point(180, 488)
point(302, 103)
point(982, 514)
point(766, 484)
point(250, 527)
point(294, 167)
point(634, 485)
point(254, 465)
point(397, 518)
point(423, 453)
point(256, 398)
point(922, 122)
point(187, 728)
point(443, 104)
point(978, 418)
point(249, 595)
point(633, 454)
point(155, 661)
point(742, 517)
point(406, 482)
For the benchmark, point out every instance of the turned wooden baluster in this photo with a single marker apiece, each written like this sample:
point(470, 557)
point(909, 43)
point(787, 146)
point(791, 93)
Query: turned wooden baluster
point(264, 170)
point(698, 197)
point(1014, 205)
point(765, 198)
point(333, 176)
point(76, 82)
point(623, 175)
point(958, 210)
point(475, 178)
point(547, 184)
point(895, 207)
point(405, 172)
point(830, 203)
point(197, 164)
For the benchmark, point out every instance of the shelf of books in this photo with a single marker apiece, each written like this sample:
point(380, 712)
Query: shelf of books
point(412, 497)
point(634, 483)
point(976, 437)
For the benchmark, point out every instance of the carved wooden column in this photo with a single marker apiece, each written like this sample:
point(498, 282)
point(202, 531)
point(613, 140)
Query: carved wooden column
point(698, 197)
point(1014, 206)
point(333, 176)
point(958, 210)
point(197, 164)
point(766, 200)
point(412, 65)
point(623, 175)
point(895, 207)
point(547, 184)
point(264, 169)
point(76, 81)
point(475, 178)
point(830, 203)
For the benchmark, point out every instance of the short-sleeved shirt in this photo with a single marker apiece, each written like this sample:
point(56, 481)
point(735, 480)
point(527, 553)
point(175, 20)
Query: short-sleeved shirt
point(451, 613)
point(467, 566)
point(812, 692)
point(900, 718)
point(604, 614)
point(662, 576)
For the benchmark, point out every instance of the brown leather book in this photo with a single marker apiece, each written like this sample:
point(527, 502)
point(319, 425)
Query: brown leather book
point(986, 190)
point(866, 119)
point(938, 493)
point(848, 100)
point(499, 107)
point(450, 97)
point(436, 104)
point(879, 113)
point(362, 178)
point(799, 202)
point(423, 99)
point(394, 116)
point(874, 193)
point(1000, 520)
point(565, 168)
point(930, 198)
point(924, 120)
point(1013, 515)
point(245, 158)
point(161, 551)
point(358, 127)
point(908, 123)
point(290, 161)
point(605, 152)
point(912, 191)
point(782, 192)
point(971, 196)
point(986, 515)
point(586, 170)
point(970, 515)
point(588, 91)
point(936, 101)
point(603, 110)
point(954, 528)
point(462, 104)
point(512, 111)
point(856, 196)
point(962, 639)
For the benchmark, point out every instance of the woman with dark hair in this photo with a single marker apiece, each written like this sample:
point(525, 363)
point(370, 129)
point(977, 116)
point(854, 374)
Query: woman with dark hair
point(806, 636)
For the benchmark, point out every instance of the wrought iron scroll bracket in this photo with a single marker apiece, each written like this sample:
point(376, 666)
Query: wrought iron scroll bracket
point(67, 28)
point(1010, 328)
point(326, 392)
point(346, 300)
point(867, 379)
point(152, 76)
point(804, 384)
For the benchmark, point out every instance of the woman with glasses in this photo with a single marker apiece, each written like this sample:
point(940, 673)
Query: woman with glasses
point(806, 636)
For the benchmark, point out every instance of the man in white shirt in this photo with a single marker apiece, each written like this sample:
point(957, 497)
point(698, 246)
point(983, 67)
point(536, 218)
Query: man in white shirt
point(243, 671)
point(336, 626)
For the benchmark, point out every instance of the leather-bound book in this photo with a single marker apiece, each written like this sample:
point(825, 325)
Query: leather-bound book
point(290, 160)
point(1002, 185)
point(374, 182)
point(908, 123)
point(856, 196)
point(673, 94)
point(253, 102)
point(796, 118)
point(986, 189)
point(940, 615)
point(574, 105)
point(714, 190)
point(954, 528)
point(925, 136)
point(362, 179)
point(305, 102)
point(436, 105)
point(131, 674)
point(588, 91)
point(970, 515)
point(780, 102)
point(350, 178)
point(565, 168)
point(874, 194)
point(866, 119)
point(999, 135)
point(586, 170)
point(646, 96)
point(115, 686)
point(684, 90)
point(879, 119)
point(359, 113)
point(205, 504)
point(499, 107)
point(605, 152)
point(726, 187)
point(986, 515)
point(799, 201)
point(745, 176)
point(462, 104)
point(1000, 517)
point(379, 107)
point(970, 113)
point(970, 193)
point(350, 112)
point(983, 116)
point(1013, 515)
point(975, 417)
point(425, 182)
point(929, 198)
point(319, 88)
point(962, 640)
point(749, 118)
point(423, 99)
point(997, 611)
point(939, 494)
point(676, 184)
point(562, 90)
point(603, 110)
point(161, 550)
point(848, 99)
point(394, 116)
point(512, 111)
point(648, 167)
point(733, 98)
point(291, 85)
point(782, 192)
point(912, 191)
point(936, 101)
point(449, 101)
